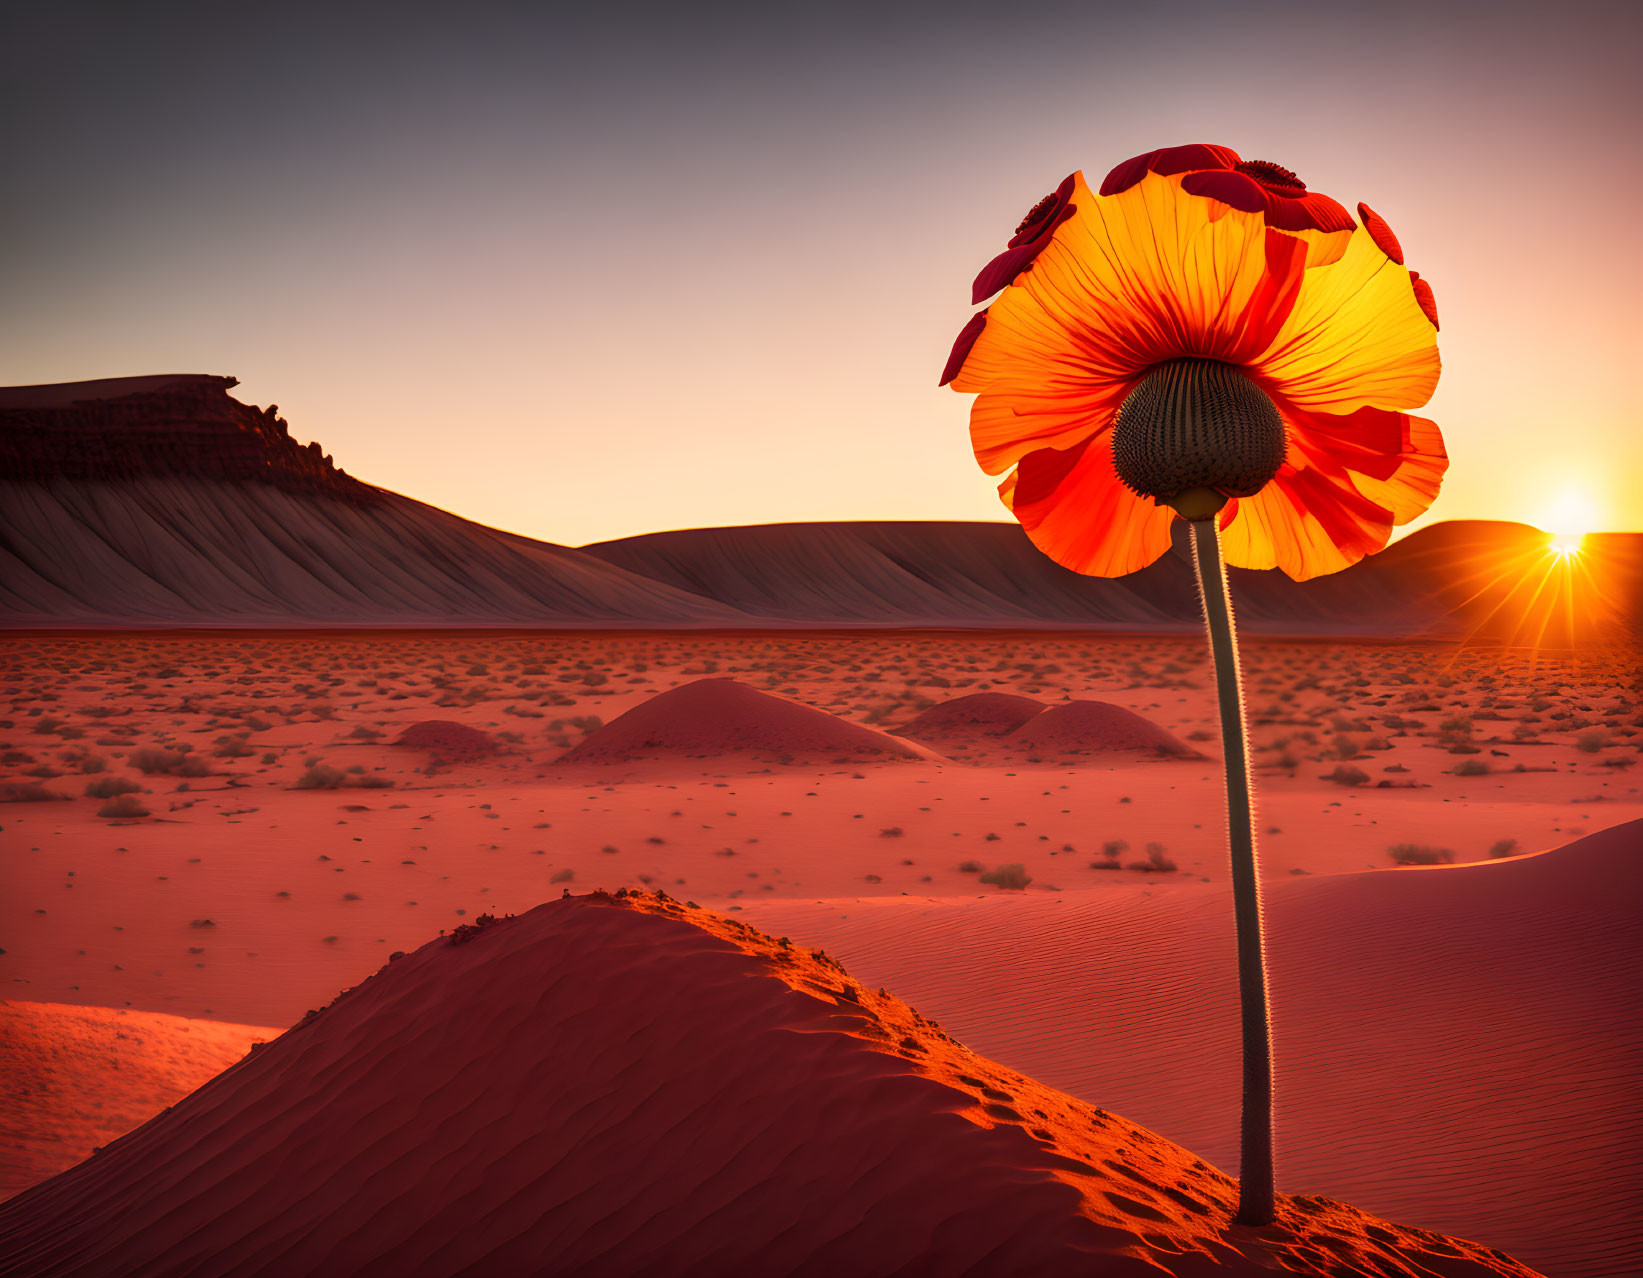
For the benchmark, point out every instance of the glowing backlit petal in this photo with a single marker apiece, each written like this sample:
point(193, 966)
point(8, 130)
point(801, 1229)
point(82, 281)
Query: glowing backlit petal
point(1356, 337)
point(1396, 460)
point(1010, 420)
point(1076, 511)
point(1305, 522)
point(1127, 282)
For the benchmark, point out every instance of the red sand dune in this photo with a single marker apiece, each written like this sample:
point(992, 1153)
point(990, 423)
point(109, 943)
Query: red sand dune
point(77, 1077)
point(722, 716)
point(969, 718)
point(447, 739)
point(638, 1088)
point(1456, 1046)
point(1077, 728)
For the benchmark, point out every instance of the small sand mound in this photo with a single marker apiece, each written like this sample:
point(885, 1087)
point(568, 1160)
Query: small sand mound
point(980, 714)
point(1079, 728)
point(628, 1086)
point(721, 716)
point(77, 1077)
point(448, 739)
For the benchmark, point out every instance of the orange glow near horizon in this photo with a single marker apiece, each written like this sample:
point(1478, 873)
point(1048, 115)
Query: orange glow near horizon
point(1552, 593)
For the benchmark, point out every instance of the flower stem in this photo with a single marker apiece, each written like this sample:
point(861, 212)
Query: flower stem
point(1255, 1192)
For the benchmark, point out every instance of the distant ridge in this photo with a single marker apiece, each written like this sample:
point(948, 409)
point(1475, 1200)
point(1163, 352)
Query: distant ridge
point(177, 424)
point(1451, 580)
point(164, 502)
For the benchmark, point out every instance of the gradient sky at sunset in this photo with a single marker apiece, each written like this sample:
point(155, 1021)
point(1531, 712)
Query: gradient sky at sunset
point(587, 277)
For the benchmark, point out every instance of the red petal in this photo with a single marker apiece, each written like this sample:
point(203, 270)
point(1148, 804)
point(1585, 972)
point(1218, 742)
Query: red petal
point(961, 347)
point(1424, 298)
point(1002, 270)
point(1310, 212)
point(1381, 233)
point(1168, 160)
point(1044, 225)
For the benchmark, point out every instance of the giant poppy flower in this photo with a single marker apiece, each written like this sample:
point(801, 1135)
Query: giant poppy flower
point(1191, 258)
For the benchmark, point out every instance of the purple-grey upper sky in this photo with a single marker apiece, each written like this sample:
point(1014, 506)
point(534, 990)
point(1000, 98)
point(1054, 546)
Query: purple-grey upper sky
point(586, 275)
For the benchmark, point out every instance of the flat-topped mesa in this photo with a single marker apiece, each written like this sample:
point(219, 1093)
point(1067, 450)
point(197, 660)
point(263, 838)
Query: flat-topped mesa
point(184, 424)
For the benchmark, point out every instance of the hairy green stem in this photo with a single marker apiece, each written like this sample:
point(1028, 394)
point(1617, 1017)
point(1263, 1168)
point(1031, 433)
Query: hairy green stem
point(1255, 1192)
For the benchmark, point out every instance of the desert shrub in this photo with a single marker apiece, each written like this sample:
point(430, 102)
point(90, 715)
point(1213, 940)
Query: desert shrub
point(1344, 746)
point(231, 747)
point(465, 932)
point(375, 782)
point(152, 760)
point(1503, 847)
point(1471, 768)
point(1157, 861)
point(1592, 740)
point(1288, 761)
point(321, 776)
point(562, 876)
point(1419, 854)
point(122, 807)
point(891, 832)
point(1346, 774)
point(1114, 848)
point(1013, 877)
point(971, 867)
point(27, 792)
point(364, 733)
point(111, 787)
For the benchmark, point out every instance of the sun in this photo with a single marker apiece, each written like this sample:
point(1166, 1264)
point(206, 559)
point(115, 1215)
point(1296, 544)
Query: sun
point(1566, 545)
point(1568, 520)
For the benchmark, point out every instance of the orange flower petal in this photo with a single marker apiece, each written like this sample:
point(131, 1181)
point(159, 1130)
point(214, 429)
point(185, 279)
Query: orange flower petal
point(1305, 522)
point(1396, 460)
point(1009, 420)
point(1355, 337)
point(1075, 509)
point(1127, 282)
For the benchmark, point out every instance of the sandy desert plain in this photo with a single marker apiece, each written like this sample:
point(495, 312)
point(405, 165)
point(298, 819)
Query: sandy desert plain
point(209, 835)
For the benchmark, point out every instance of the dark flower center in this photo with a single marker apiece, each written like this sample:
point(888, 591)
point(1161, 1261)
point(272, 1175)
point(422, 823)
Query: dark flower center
point(1275, 177)
point(1199, 429)
point(1038, 213)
